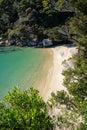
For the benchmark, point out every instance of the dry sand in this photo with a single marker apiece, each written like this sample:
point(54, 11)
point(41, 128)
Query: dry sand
point(54, 80)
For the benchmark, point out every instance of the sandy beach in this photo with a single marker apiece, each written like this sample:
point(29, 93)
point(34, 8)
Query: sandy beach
point(54, 80)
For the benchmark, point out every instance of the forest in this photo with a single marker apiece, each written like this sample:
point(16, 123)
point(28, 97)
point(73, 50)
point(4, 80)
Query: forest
point(20, 18)
point(26, 110)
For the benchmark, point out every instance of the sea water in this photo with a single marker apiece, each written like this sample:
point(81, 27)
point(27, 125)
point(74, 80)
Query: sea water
point(22, 67)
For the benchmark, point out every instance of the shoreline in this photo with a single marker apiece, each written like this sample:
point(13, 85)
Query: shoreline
point(46, 70)
point(24, 68)
point(54, 80)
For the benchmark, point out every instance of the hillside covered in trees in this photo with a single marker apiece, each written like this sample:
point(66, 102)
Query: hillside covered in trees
point(27, 110)
point(19, 18)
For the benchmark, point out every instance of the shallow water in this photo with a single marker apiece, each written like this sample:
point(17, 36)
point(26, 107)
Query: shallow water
point(23, 67)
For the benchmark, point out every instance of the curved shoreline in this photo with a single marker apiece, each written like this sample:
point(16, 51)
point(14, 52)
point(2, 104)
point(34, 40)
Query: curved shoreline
point(44, 80)
point(55, 78)
point(24, 68)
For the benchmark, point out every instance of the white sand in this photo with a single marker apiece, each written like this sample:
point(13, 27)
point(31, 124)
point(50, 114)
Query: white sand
point(54, 80)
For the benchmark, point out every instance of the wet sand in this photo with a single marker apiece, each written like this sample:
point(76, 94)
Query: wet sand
point(43, 81)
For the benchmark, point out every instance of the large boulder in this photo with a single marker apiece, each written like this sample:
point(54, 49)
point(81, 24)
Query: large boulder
point(47, 42)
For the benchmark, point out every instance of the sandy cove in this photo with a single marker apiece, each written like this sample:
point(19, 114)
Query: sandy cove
point(54, 80)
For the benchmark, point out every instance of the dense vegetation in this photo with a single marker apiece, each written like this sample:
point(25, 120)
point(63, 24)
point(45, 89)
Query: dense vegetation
point(21, 17)
point(24, 111)
point(74, 103)
point(27, 110)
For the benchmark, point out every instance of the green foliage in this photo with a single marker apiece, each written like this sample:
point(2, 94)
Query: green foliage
point(27, 110)
point(81, 5)
point(59, 3)
point(45, 5)
point(75, 78)
point(83, 42)
point(24, 110)
point(84, 111)
point(33, 15)
point(61, 97)
point(68, 120)
point(67, 107)
point(14, 33)
point(52, 33)
point(72, 105)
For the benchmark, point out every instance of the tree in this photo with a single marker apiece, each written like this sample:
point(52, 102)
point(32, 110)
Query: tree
point(24, 111)
point(8, 14)
point(84, 112)
point(75, 78)
point(74, 103)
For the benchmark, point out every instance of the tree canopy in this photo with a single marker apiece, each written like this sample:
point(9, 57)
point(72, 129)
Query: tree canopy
point(27, 110)
point(24, 111)
point(75, 101)
point(19, 17)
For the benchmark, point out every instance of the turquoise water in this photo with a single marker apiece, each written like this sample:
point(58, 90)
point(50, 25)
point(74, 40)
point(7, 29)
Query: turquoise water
point(20, 67)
